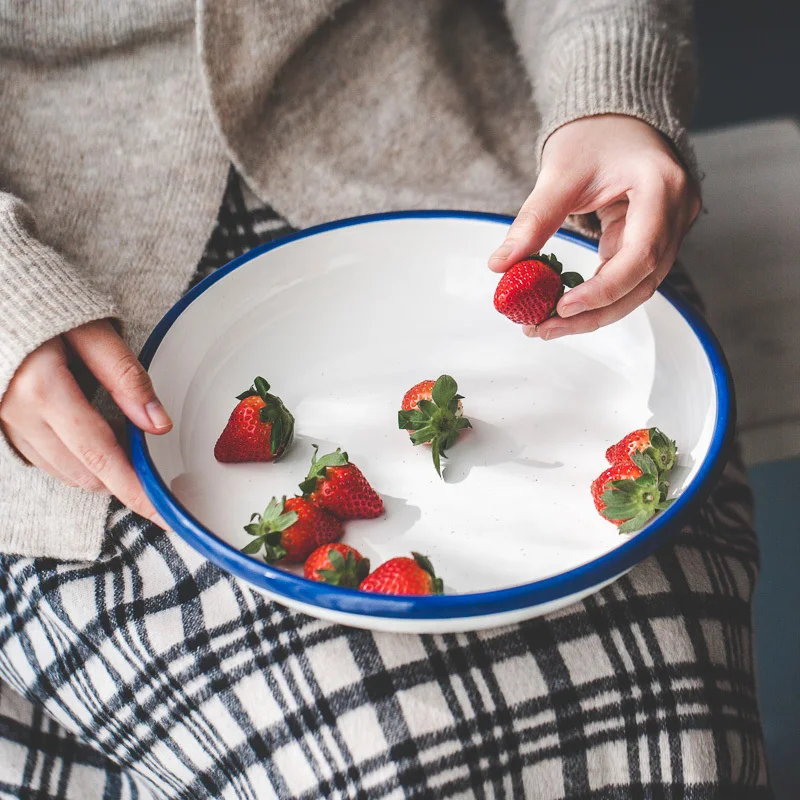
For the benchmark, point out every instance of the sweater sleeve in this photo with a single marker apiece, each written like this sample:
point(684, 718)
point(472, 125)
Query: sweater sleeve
point(41, 294)
point(631, 57)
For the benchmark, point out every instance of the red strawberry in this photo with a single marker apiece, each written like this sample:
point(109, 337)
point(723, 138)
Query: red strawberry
point(432, 412)
point(259, 428)
point(291, 529)
point(337, 564)
point(422, 391)
point(338, 486)
point(404, 576)
point(630, 493)
point(529, 292)
point(650, 441)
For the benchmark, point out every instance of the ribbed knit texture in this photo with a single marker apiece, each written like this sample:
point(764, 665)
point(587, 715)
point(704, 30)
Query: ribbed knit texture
point(619, 64)
point(118, 122)
point(41, 295)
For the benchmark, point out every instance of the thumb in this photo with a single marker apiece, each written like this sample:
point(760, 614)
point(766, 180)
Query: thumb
point(114, 364)
point(541, 215)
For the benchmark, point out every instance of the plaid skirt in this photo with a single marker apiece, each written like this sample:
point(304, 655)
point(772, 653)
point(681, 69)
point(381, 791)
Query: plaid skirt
point(152, 674)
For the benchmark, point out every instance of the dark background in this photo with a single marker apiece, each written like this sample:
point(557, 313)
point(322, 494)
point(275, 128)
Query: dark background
point(749, 61)
point(749, 69)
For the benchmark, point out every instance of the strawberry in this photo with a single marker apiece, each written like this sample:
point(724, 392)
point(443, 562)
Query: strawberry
point(404, 576)
point(338, 486)
point(259, 428)
point(291, 529)
point(650, 441)
point(337, 564)
point(529, 292)
point(630, 493)
point(432, 412)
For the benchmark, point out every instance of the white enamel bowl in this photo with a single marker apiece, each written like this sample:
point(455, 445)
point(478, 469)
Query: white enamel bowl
point(342, 319)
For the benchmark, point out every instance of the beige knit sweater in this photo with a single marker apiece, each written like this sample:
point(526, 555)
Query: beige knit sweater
point(118, 121)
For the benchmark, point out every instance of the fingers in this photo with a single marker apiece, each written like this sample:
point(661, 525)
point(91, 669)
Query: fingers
point(91, 441)
point(112, 362)
point(29, 453)
point(541, 215)
point(590, 321)
point(646, 240)
point(43, 448)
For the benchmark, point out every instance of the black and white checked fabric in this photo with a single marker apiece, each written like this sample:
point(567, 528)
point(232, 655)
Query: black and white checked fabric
point(152, 674)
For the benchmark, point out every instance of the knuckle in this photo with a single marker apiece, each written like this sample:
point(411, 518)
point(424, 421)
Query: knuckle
point(649, 286)
point(676, 178)
point(527, 220)
point(131, 375)
point(32, 387)
point(648, 257)
point(137, 501)
point(695, 207)
point(95, 459)
point(606, 292)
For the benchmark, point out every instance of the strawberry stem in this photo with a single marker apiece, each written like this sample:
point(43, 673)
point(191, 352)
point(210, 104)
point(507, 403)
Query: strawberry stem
point(345, 571)
point(275, 413)
point(267, 529)
point(437, 421)
point(437, 585)
point(320, 465)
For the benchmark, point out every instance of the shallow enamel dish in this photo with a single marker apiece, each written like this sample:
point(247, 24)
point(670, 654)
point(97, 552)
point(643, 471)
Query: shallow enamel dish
point(342, 319)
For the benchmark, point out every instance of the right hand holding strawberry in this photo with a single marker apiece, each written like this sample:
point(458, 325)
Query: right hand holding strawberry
point(625, 172)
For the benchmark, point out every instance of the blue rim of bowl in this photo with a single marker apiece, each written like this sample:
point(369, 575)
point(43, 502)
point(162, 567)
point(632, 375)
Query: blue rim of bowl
point(578, 579)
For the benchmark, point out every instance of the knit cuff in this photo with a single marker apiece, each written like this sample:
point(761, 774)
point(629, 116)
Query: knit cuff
point(41, 295)
point(620, 64)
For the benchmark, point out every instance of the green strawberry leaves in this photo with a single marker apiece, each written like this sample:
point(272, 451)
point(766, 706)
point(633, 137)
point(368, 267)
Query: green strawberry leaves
point(444, 390)
point(550, 260)
point(345, 570)
point(437, 421)
point(267, 529)
point(637, 501)
point(662, 450)
point(276, 414)
point(571, 279)
point(319, 465)
point(645, 464)
point(437, 585)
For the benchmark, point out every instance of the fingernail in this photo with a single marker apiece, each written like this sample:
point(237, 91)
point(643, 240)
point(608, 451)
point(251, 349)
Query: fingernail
point(158, 416)
point(554, 333)
point(502, 253)
point(532, 331)
point(571, 309)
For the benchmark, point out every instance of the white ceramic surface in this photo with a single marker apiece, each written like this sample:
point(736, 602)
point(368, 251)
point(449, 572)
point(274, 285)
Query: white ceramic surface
point(341, 323)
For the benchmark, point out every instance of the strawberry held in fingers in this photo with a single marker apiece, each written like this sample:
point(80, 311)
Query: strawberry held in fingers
point(529, 292)
point(404, 576)
point(629, 494)
point(431, 411)
point(259, 429)
point(290, 530)
point(337, 564)
point(339, 486)
point(651, 442)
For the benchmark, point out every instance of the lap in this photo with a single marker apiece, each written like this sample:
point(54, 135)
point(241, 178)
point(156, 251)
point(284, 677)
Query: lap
point(198, 686)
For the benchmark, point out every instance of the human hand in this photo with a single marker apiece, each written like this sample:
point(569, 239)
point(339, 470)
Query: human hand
point(48, 419)
point(625, 171)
